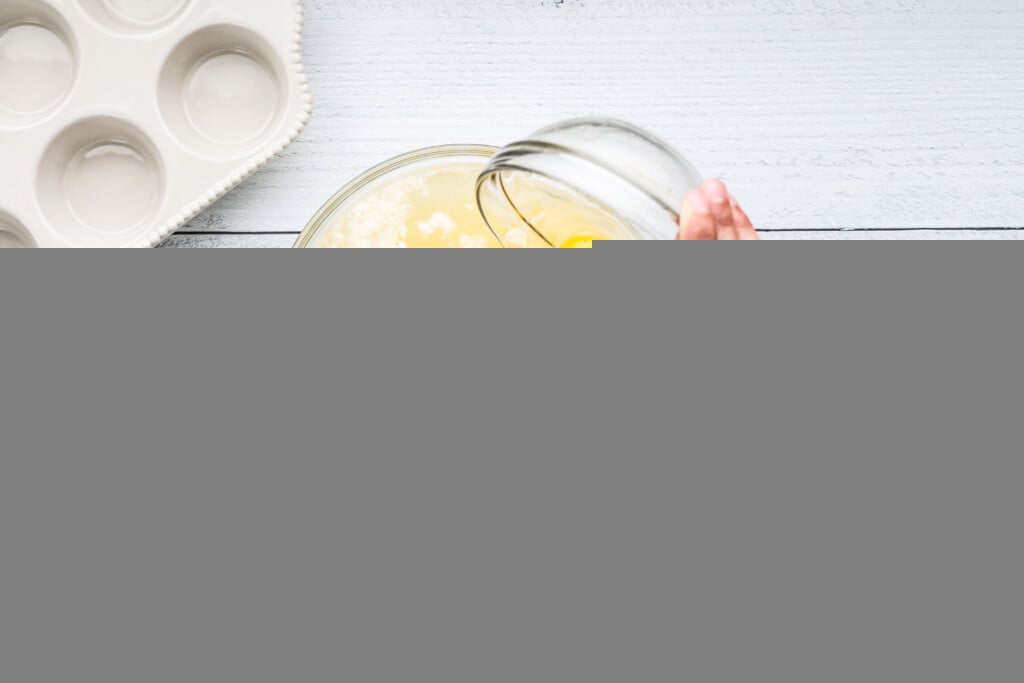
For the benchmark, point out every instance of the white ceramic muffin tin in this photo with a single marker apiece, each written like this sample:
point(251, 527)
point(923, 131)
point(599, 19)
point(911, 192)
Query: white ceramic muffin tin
point(120, 120)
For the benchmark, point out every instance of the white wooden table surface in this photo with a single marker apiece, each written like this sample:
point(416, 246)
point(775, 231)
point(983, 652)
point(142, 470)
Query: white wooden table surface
point(829, 118)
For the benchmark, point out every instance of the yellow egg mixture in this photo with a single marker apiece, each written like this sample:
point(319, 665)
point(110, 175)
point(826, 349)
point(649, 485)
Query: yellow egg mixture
point(436, 208)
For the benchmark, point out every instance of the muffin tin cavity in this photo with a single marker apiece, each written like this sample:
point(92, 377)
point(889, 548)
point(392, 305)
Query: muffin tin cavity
point(101, 182)
point(135, 16)
point(222, 90)
point(37, 62)
point(13, 234)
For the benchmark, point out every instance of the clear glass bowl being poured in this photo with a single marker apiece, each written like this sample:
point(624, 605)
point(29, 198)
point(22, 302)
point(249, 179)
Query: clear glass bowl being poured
point(622, 172)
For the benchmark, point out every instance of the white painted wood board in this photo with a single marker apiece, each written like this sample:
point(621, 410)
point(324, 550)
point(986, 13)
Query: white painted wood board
point(890, 115)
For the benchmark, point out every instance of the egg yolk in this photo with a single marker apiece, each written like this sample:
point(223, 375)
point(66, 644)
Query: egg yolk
point(581, 242)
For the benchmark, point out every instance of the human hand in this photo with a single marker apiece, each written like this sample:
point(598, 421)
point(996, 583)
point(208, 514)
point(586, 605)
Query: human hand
point(711, 213)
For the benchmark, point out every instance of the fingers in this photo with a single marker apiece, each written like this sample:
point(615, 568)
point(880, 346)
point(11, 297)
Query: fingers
point(744, 227)
point(711, 213)
point(696, 222)
point(721, 211)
